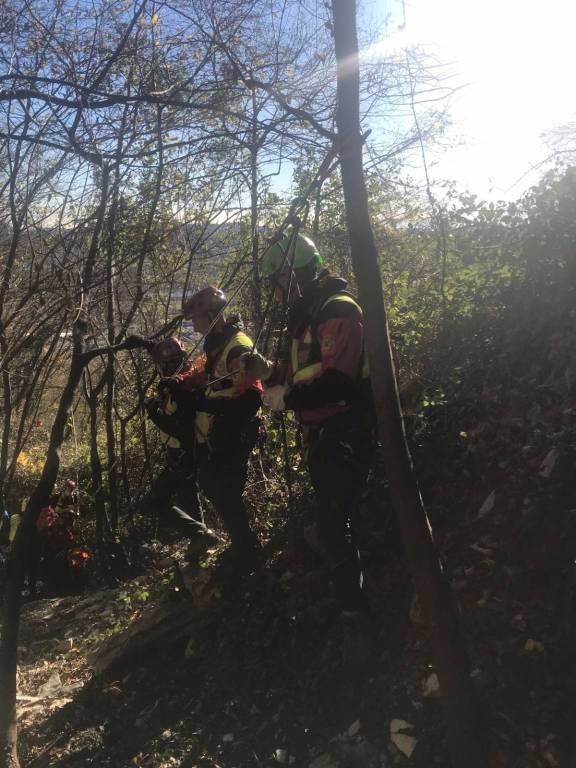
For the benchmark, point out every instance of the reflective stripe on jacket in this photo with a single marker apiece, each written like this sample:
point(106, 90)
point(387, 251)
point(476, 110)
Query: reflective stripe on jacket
point(225, 388)
point(14, 523)
point(306, 353)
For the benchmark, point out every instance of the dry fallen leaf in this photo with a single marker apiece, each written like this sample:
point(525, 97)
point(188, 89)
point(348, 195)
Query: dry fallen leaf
point(354, 728)
point(402, 741)
point(399, 725)
point(431, 686)
point(533, 645)
point(406, 744)
point(488, 505)
point(547, 466)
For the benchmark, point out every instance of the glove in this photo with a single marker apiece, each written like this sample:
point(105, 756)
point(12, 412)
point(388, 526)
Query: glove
point(256, 366)
point(273, 397)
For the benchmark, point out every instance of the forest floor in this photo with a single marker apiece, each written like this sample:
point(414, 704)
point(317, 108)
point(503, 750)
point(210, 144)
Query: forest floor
point(257, 679)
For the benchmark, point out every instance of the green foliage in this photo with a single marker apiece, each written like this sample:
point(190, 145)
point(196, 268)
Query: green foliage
point(454, 277)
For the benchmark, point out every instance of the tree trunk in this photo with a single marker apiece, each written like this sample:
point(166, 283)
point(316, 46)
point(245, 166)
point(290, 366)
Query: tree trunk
point(141, 388)
point(16, 569)
point(40, 497)
point(254, 231)
point(7, 419)
point(17, 563)
point(123, 457)
point(317, 211)
point(43, 369)
point(466, 736)
point(126, 493)
point(97, 481)
point(112, 458)
point(109, 374)
point(16, 219)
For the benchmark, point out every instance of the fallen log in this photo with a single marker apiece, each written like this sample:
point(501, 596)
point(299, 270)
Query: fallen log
point(168, 621)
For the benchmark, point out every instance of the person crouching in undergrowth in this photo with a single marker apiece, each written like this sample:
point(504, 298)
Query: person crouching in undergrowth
point(328, 388)
point(65, 559)
point(227, 423)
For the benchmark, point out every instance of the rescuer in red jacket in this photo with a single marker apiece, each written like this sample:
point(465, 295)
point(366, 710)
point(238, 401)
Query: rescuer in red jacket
point(327, 385)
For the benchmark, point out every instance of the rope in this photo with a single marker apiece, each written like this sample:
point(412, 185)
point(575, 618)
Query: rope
point(285, 449)
point(76, 471)
point(291, 247)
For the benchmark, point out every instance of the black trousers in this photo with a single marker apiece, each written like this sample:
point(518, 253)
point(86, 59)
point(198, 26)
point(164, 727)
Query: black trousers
point(176, 485)
point(222, 473)
point(339, 457)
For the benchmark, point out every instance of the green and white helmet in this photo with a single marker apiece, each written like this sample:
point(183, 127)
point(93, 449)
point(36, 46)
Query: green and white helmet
point(305, 252)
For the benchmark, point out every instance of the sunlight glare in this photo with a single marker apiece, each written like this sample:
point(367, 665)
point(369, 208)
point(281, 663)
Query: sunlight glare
point(517, 59)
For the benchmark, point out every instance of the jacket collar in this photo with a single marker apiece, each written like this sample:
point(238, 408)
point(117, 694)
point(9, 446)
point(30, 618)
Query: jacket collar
point(215, 342)
point(306, 306)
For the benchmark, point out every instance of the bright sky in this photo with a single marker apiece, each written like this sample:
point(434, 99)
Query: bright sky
point(518, 58)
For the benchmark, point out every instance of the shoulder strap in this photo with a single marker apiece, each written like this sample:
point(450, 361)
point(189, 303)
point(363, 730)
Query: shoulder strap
point(344, 296)
point(323, 303)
